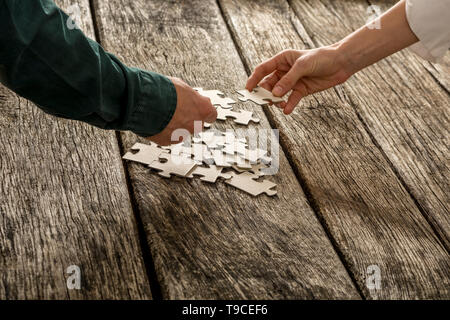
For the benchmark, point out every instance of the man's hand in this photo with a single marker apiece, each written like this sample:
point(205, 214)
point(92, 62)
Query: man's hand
point(302, 71)
point(191, 106)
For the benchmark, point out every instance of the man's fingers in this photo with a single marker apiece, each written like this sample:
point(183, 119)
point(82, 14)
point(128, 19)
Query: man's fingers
point(160, 139)
point(207, 112)
point(211, 114)
point(289, 80)
point(260, 72)
point(292, 102)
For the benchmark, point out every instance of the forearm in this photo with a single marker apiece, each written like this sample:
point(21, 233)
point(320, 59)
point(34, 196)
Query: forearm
point(68, 75)
point(368, 45)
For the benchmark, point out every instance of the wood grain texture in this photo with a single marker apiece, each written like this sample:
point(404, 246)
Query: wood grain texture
point(366, 209)
point(403, 106)
point(440, 72)
point(64, 202)
point(212, 240)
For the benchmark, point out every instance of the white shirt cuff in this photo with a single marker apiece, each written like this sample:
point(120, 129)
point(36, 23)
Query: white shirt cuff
point(430, 22)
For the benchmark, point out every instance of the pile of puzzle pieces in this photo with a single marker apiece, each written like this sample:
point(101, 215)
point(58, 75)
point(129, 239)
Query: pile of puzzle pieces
point(210, 154)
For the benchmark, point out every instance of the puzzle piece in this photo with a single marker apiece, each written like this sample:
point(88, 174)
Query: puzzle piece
point(254, 155)
point(236, 146)
point(217, 98)
point(257, 169)
point(179, 148)
point(147, 153)
point(209, 174)
point(217, 141)
point(259, 95)
point(209, 138)
point(198, 151)
point(241, 117)
point(175, 164)
point(246, 182)
point(227, 160)
point(201, 153)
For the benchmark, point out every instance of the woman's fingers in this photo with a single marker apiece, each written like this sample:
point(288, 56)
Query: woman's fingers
point(261, 71)
point(281, 62)
point(288, 81)
point(292, 102)
point(270, 80)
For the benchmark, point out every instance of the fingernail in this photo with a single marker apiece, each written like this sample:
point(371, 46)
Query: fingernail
point(277, 91)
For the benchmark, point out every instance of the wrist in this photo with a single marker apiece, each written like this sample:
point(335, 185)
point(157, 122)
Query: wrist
point(347, 57)
point(368, 45)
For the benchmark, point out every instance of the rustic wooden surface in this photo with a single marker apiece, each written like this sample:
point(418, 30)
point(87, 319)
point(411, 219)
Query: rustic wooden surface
point(363, 182)
point(370, 215)
point(64, 202)
point(440, 72)
point(212, 240)
point(409, 121)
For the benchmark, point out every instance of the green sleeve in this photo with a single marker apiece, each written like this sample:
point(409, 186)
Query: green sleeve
point(69, 75)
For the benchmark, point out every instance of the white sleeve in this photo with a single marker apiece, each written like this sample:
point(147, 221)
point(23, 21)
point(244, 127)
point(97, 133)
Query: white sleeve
point(430, 22)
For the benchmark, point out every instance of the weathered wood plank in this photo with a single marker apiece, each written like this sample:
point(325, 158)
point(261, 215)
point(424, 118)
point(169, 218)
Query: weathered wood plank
point(211, 240)
point(440, 72)
point(404, 108)
point(370, 215)
point(64, 202)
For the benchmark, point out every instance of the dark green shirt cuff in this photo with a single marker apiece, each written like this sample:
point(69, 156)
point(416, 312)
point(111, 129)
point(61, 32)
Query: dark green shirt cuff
point(69, 75)
point(155, 103)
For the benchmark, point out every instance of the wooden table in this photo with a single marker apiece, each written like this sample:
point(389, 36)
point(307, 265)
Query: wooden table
point(364, 177)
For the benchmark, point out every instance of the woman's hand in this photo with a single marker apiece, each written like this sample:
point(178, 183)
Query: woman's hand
point(302, 71)
point(309, 71)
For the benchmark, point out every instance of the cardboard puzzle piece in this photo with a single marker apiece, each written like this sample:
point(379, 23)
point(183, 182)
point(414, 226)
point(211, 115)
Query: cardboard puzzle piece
point(147, 153)
point(236, 146)
point(197, 151)
point(217, 98)
point(210, 139)
point(254, 155)
point(175, 164)
point(217, 140)
point(209, 174)
point(222, 159)
point(179, 149)
point(241, 117)
point(246, 182)
point(257, 169)
point(201, 153)
point(259, 95)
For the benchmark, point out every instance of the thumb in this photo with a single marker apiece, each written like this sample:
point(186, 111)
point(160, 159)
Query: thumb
point(285, 84)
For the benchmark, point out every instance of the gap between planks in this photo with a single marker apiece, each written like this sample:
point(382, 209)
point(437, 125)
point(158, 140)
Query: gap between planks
point(198, 274)
point(146, 254)
point(375, 142)
point(304, 34)
point(394, 169)
point(300, 177)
